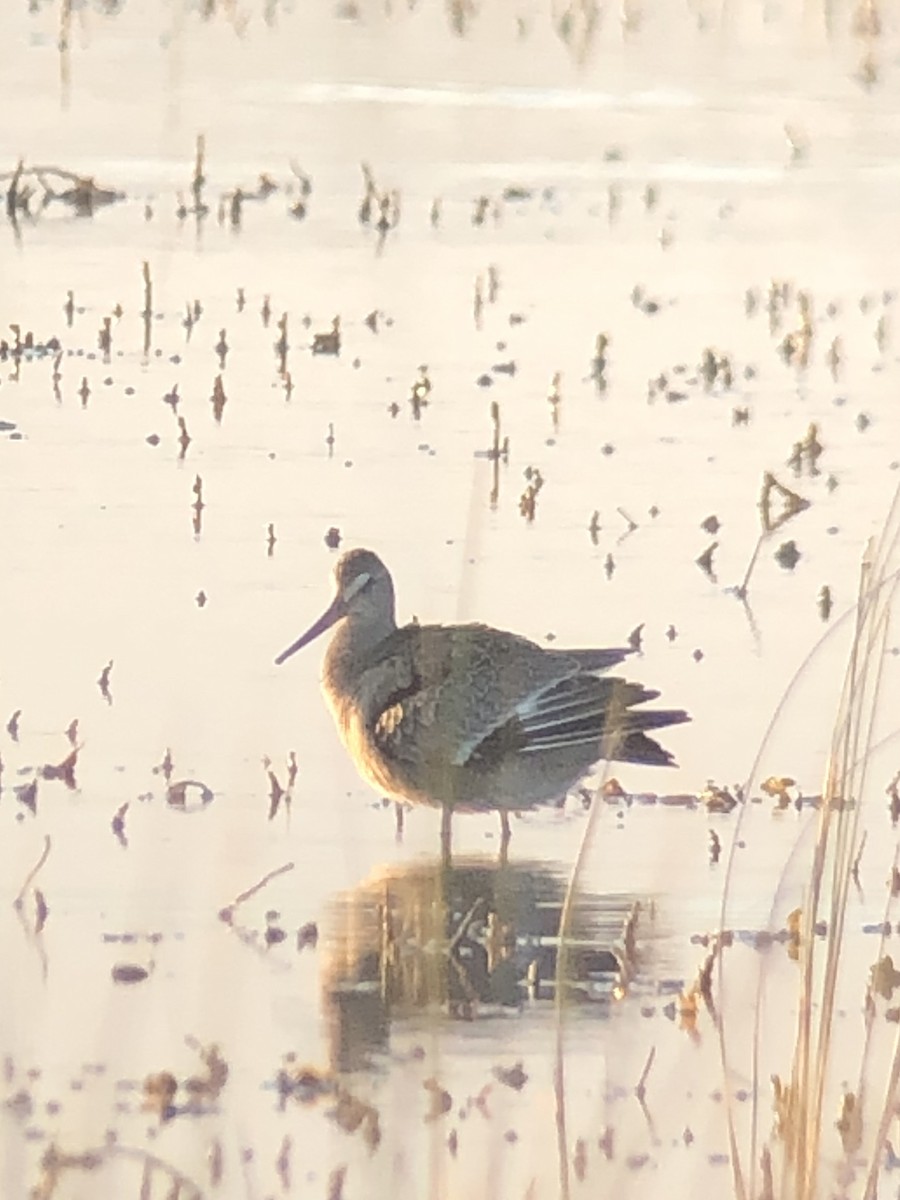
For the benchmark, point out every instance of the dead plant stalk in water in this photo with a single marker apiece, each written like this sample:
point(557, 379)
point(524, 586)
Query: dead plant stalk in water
point(562, 970)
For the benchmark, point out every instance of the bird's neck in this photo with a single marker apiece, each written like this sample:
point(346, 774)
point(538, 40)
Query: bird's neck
point(351, 649)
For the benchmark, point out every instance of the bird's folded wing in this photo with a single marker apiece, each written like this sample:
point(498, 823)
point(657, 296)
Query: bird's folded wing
point(582, 710)
point(438, 691)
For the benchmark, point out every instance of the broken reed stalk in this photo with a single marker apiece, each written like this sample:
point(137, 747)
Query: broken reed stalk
point(795, 1166)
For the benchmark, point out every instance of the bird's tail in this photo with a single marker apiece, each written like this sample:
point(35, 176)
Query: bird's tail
point(632, 743)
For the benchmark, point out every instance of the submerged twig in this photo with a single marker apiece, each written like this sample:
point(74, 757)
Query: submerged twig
point(54, 1163)
point(227, 914)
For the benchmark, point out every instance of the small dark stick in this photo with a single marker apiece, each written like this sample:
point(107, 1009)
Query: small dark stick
point(221, 349)
point(235, 208)
point(199, 178)
point(41, 911)
point(282, 346)
point(56, 377)
point(276, 791)
point(218, 399)
point(118, 825)
point(495, 454)
point(147, 314)
point(103, 682)
point(283, 1164)
point(198, 505)
point(705, 560)
point(629, 521)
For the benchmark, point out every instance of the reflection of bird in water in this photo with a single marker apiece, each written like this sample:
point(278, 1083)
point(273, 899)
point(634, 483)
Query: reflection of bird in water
point(472, 939)
point(465, 716)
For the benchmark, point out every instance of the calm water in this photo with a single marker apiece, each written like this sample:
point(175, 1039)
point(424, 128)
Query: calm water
point(657, 198)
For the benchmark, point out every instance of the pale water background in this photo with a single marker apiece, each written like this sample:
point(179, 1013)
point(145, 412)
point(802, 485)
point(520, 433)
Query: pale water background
point(100, 561)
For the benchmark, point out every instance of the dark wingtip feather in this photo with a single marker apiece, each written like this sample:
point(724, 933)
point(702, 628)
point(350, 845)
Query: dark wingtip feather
point(638, 748)
point(658, 718)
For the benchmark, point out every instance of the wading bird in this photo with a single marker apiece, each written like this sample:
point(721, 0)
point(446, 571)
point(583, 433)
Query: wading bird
point(469, 718)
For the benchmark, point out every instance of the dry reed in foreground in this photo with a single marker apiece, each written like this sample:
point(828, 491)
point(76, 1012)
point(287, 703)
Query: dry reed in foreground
point(833, 1104)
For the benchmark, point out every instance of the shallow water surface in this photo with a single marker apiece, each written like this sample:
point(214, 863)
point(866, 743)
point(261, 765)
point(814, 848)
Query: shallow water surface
point(389, 1028)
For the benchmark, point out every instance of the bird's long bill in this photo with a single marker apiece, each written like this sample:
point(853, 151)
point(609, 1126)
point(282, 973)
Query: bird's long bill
point(333, 613)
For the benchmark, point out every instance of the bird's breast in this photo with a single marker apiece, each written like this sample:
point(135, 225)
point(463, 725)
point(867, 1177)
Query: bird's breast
point(361, 746)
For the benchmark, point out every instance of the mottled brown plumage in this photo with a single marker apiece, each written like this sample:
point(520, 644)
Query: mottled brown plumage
point(465, 716)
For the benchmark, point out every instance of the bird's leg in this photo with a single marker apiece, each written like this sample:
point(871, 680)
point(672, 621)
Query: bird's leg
point(446, 818)
point(505, 834)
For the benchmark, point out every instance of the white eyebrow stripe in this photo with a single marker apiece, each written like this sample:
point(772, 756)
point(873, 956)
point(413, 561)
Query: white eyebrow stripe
point(357, 584)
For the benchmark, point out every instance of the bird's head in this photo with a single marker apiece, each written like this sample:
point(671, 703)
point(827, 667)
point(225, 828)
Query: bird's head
point(364, 593)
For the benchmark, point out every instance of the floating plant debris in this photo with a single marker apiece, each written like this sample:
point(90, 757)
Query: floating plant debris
point(189, 795)
point(129, 973)
point(118, 824)
point(512, 1077)
point(787, 555)
point(308, 935)
point(64, 770)
point(328, 343)
point(26, 794)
